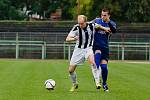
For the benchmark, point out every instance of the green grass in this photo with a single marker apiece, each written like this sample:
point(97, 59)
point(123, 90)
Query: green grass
point(24, 80)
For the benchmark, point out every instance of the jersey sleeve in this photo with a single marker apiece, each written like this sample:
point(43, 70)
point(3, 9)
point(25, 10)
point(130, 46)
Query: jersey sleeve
point(73, 31)
point(96, 25)
point(112, 26)
point(92, 21)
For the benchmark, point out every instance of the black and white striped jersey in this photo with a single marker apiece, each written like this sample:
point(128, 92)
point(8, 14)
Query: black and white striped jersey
point(86, 35)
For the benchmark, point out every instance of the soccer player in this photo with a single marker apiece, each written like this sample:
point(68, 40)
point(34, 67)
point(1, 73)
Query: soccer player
point(83, 34)
point(101, 43)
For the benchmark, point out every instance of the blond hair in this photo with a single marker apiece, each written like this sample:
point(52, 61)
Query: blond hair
point(82, 16)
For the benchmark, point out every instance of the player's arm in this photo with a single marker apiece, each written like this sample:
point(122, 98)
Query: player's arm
point(112, 26)
point(100, 27)
point(72, 36)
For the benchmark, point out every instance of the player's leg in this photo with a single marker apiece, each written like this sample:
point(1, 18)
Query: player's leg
point(97, 58)
point(97, 55)
point(77, 58)
point(95, 71)
point(73, 77)
point(104, 74)
point(104, 62)
point(104, 71)
point(73, 74)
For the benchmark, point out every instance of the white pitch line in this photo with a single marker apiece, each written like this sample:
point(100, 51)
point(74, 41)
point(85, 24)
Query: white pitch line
point(139, 62)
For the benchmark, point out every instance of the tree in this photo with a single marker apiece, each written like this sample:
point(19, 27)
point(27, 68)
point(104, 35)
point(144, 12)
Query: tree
point(122, 10)
point(8, 11)
point(138, 11)
point(98, 5)
point(46, 7)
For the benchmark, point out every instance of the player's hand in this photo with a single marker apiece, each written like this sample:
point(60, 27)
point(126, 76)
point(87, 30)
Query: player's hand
point(107, 30)
point(76, 38)
point(72, 38)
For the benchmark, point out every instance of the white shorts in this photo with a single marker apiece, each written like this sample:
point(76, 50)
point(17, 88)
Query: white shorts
point(80, 55)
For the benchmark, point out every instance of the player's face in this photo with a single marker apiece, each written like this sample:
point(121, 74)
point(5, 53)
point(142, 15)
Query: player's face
point(82, 23)
point(105, 15)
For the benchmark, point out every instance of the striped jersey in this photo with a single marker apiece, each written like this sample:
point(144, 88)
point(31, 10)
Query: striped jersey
point(86, 35)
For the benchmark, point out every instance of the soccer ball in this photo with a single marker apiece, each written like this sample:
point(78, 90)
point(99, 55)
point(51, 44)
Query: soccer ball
point(50, 84)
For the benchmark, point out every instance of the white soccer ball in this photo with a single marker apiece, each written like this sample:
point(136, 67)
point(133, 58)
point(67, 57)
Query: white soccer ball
point(50, 84)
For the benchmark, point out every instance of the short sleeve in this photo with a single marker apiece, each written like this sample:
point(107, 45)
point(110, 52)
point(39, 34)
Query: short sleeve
point(113, 24)
point(74, 31)
point(96, 25)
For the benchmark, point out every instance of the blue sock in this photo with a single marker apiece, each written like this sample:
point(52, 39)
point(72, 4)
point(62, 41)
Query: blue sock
point(104, 73)
point(97, 59)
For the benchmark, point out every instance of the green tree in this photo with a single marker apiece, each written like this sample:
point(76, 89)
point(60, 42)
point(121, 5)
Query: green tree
point(122, 10)
point(98, 5)
point(4, 9)
point(46, 7)
point(9, 11)
point(66, 6)
point(138, 11)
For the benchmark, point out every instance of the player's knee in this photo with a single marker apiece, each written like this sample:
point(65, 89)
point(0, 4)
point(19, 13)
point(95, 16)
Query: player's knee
point(104, 61)
point(93, 66)
point(97, 51)
point(91, 61)
point(71, 69)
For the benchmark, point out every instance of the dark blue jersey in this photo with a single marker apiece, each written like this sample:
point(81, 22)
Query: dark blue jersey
point(101, 38)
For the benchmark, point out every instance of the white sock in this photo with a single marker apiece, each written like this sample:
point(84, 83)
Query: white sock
point(95, 73)
point(99, 72)
point(73, 77)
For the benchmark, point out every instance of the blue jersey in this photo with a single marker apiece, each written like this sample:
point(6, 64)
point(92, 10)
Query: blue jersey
point(101, 38)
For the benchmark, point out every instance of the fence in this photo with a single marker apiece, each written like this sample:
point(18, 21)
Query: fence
point(51, 45)
point(130, 50)
point(118, 50)
point(124, 50)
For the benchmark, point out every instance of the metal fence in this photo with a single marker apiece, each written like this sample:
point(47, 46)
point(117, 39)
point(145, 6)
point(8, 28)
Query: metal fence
point(39, 45)
point(122, 51)
point(40, 50)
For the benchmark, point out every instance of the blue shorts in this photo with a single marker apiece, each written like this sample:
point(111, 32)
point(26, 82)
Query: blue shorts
point(104, 52)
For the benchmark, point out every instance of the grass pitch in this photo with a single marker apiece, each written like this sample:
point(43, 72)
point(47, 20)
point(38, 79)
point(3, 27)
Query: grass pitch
point(24, 80)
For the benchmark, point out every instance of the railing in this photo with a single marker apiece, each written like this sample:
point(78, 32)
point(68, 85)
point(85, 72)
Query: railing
point(122, 49)
point(118, 50)
point(17, 44)
point(143, 47)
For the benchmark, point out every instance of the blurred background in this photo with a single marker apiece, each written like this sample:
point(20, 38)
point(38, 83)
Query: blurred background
point(36, 29)
point(122, 10)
